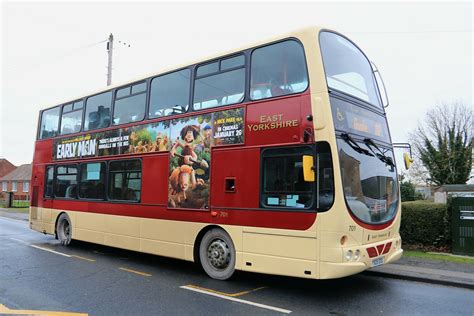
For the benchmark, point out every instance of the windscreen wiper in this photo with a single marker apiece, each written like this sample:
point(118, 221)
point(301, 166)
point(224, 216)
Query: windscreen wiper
point(351, 142)
point(381, 155)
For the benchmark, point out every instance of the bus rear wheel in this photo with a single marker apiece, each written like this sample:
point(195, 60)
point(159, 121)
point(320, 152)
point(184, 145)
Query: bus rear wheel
point(217, 254)
point(64, 229)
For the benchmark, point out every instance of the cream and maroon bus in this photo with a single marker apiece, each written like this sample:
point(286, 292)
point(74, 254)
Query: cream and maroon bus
point(274, 158)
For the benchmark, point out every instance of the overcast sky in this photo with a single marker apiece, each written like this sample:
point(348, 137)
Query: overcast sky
point(53, 52)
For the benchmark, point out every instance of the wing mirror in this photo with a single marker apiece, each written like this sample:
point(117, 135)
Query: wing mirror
point(407, 161)
point(407, 157)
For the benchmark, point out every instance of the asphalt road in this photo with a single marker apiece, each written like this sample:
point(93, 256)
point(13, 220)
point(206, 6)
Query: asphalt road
point(98, 280)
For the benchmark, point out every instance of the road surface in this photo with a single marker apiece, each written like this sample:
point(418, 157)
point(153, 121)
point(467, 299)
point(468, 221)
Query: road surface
point(38, 274)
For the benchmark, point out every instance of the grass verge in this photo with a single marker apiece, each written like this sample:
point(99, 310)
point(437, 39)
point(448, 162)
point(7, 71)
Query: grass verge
point(436, 256)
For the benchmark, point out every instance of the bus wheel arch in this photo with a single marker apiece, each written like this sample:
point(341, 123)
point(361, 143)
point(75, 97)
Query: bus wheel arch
point(63, 229)
point(215, 252)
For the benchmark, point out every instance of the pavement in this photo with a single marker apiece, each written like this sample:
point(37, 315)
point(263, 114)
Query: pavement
point(407, 268)
point(14, 215)
point(428, 271)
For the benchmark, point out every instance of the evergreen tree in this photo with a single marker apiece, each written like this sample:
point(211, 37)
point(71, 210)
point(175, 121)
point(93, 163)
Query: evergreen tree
point(407, 191)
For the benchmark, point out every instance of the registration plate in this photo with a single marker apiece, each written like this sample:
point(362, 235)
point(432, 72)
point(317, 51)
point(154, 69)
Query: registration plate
point(376, 262)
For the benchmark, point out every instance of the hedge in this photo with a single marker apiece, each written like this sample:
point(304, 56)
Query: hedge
point(425, 223)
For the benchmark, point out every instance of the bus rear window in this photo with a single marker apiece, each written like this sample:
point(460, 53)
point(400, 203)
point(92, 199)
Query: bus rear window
point(49, 123)
point(277, 70)
point(49, 182)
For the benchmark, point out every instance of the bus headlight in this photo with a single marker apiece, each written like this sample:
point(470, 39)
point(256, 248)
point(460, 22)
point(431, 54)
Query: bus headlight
point(349, 255)
point(357, 255)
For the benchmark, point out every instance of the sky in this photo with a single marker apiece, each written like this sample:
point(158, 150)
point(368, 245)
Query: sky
point(53, 52)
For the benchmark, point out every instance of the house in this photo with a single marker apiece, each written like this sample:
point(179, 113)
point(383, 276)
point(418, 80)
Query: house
point(424, 191)
point(441, 193)
point(18, 182)
point(6, 167)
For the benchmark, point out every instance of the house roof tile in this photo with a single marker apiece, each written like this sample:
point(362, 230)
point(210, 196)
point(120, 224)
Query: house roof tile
point(22, 173)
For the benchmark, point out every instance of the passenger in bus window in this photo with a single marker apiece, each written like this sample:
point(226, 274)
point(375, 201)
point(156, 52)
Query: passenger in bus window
point(279, 85)
point(129, 194)
point(70, 191)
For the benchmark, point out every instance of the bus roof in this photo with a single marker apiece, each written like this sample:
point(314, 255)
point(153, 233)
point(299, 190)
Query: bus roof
point(299, 33)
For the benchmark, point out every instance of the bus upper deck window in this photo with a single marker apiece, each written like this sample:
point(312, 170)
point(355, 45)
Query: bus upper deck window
point(170, 93)
point(71, 119)
point(130, 103)
point(98, 111)
point(278, 69)
point(220, 83)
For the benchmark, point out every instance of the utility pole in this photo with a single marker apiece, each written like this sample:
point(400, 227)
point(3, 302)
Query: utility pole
point(110, 47)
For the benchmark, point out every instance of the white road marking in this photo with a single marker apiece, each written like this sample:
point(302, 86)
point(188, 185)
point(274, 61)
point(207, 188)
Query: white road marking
point(52, 251)
point(21, 241)
point(238, 300)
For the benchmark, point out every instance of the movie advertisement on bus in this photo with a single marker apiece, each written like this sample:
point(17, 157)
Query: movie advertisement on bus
point(190, 161)
point(140, 139)
point(190, 154)
point(220, 129)
point(188, 140)
point(228, 127)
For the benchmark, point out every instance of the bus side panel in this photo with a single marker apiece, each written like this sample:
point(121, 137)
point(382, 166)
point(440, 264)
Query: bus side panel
point(43, 151)
point(283, 121)
point(280, 254)
point(155, 180)
point(37, 180)
point(242, 166)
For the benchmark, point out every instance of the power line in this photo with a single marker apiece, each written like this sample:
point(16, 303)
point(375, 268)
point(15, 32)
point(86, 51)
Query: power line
point(79, 49)
point(55, 59)
point(412, 32)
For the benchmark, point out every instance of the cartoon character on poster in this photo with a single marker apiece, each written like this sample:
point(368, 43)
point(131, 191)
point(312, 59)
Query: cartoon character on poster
point(189, 163)
point(149, 138)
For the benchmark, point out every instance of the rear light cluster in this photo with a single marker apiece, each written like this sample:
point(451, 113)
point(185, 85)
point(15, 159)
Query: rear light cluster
point(379, 250)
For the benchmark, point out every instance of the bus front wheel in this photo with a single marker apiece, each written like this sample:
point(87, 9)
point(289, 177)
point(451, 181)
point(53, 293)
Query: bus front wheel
point(217, 254)
point(64, 229)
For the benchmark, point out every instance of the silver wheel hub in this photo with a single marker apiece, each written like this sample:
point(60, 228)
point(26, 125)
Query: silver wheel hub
point(66, 229)
point(218, 254)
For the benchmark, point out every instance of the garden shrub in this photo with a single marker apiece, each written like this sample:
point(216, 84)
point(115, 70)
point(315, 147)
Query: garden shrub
point(425, 223)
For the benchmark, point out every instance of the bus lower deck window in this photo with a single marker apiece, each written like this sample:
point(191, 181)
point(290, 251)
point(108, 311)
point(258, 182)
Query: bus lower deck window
point(125, 180)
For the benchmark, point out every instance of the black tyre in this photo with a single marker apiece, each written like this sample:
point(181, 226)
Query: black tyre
point(217, 254)
point(64, 229)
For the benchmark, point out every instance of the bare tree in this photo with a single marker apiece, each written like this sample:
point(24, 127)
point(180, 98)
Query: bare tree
point(417, 174)
point(443, 143)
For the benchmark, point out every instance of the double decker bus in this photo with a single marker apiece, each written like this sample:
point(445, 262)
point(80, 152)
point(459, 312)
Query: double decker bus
point(275, 158)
